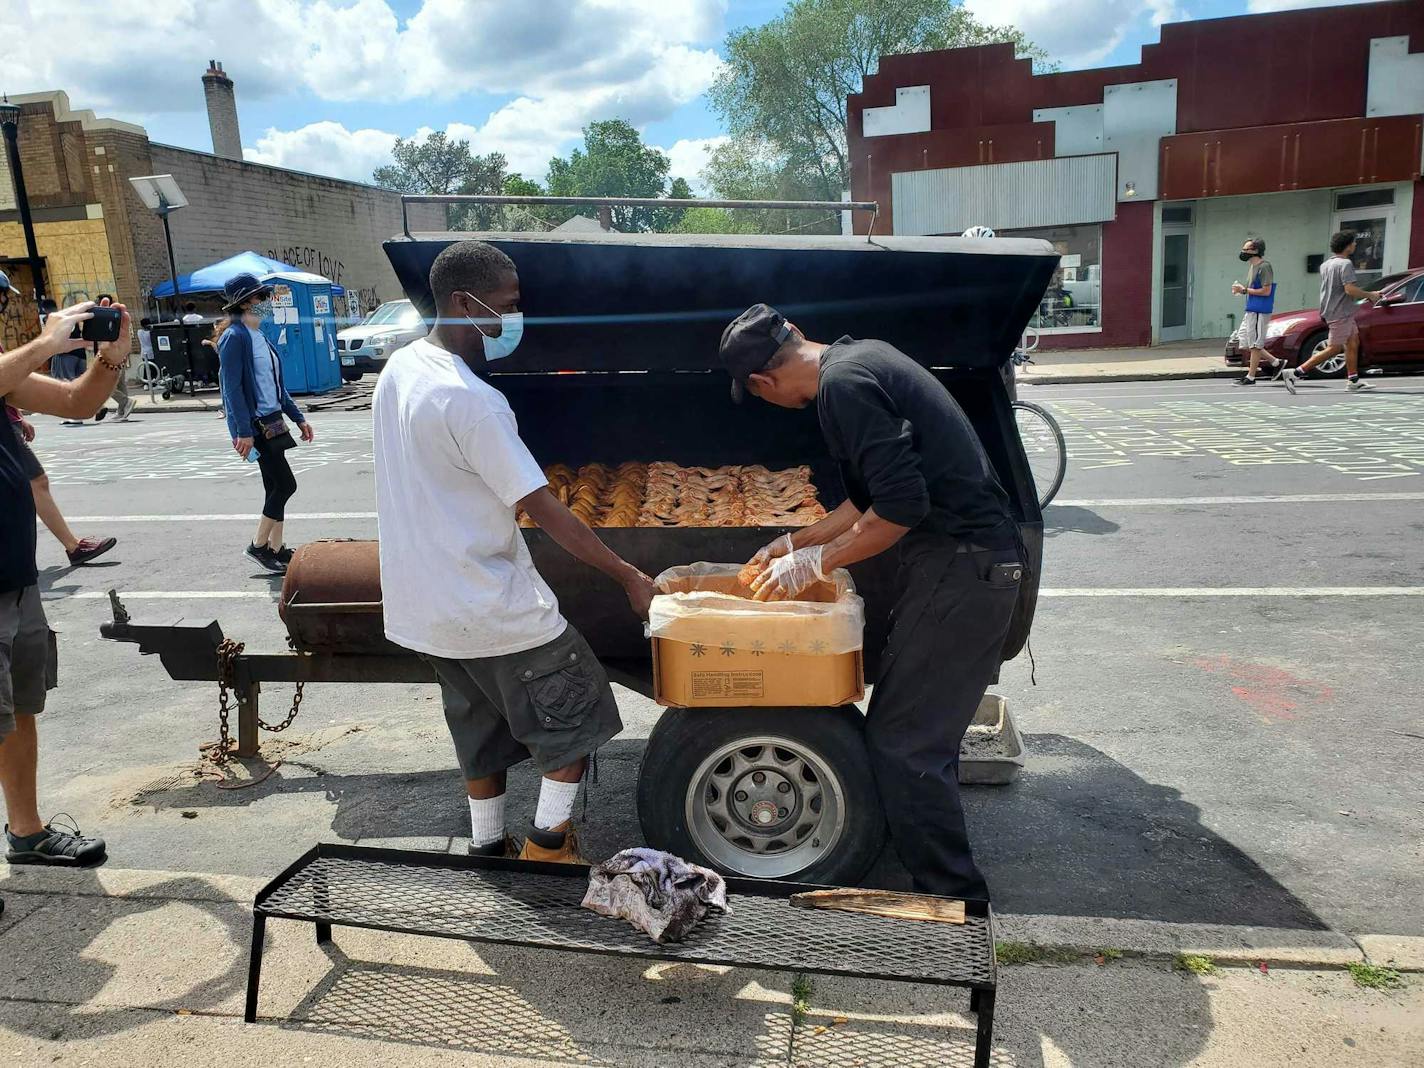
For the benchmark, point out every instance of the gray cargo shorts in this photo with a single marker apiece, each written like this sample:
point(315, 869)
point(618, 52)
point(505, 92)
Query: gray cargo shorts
point(552, 703)
point(29, 660)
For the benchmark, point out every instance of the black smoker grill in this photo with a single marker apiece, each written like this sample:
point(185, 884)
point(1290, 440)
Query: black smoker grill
point(621, 335)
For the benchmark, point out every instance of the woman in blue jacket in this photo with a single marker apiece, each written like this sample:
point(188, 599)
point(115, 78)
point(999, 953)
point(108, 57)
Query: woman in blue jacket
point(255, 401)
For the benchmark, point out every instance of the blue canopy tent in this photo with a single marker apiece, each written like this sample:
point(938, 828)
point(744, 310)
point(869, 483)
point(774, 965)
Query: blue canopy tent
point(303, 327)
point(210, 279)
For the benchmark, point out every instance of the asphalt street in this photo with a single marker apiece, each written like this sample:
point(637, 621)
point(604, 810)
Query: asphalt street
point(1226, 726)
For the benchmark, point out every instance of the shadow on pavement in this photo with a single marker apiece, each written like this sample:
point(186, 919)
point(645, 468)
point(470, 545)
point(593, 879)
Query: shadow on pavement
point(1083, 835)
point(88, 948)
point(1078, 835)
point(1071, 519)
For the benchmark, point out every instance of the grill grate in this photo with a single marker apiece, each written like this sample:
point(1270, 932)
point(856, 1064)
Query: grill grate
point(510, 903)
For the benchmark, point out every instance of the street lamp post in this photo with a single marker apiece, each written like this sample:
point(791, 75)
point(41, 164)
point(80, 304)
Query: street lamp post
point(10, 123)
point(162, 195)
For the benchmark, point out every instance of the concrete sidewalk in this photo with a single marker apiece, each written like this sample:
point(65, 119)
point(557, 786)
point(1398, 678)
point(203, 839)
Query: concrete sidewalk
point(1175, 360)
point(1172, 361)
point(149, 968)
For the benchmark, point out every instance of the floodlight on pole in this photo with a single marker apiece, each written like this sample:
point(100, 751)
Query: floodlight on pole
point(10, 126)
point(160, 193)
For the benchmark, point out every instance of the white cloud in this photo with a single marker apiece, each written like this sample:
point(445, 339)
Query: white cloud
point(689, 157)
point(1257, 7)
point(656, 52)
point(1079, 41)
point(324, 148)
point(568, 62)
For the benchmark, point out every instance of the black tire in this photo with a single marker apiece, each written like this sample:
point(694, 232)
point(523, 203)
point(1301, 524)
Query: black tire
point(826, 742)
point(1336, 364)
point(1048, 441)
point(349, 375)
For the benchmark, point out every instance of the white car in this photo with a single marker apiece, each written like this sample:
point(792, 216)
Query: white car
point(365, 346)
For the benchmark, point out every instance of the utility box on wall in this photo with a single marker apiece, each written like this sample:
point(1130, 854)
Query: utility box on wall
point(303, 331)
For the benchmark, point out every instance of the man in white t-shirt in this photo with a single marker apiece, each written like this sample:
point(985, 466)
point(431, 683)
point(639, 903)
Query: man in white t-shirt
point(457, 580)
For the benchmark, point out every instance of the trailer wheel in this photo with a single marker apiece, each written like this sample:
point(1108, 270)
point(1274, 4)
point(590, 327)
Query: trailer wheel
point(771, 793)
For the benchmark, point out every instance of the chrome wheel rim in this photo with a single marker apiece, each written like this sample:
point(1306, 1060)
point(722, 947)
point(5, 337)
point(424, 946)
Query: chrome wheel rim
point(1332, 366)
point(765, 806)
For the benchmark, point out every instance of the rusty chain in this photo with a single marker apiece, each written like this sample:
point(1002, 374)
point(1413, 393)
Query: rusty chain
point(227, 652)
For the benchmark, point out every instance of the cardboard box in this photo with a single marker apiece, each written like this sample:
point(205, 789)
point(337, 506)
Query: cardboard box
point(737, 656)
point(695, 676)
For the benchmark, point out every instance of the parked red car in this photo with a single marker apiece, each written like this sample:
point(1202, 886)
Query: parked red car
point(1391, 332)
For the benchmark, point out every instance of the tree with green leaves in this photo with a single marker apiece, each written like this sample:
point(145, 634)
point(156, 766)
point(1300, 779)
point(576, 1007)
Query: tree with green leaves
point(750, 168)
point(614, 162)
point(785, 83)
point(441, 166)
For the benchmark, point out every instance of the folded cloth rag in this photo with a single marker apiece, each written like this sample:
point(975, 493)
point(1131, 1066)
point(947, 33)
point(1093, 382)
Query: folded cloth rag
point(662, 895)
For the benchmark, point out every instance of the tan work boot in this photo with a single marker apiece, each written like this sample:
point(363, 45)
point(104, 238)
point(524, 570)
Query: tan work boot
point(556, 846)
point(507, 848)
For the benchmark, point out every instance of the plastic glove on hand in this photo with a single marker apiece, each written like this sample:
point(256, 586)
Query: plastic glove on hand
point(789, 575)
point(764, 556)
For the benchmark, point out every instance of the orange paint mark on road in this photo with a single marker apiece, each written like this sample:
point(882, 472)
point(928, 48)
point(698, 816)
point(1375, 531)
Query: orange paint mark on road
point(1271, 692)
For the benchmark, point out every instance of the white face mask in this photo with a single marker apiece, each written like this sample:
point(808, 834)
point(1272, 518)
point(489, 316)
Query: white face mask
point(511, 330)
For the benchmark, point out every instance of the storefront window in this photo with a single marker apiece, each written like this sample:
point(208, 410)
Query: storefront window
point(1074, 300)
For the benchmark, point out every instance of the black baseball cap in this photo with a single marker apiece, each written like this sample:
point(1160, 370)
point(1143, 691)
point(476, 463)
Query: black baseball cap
point(749, 343)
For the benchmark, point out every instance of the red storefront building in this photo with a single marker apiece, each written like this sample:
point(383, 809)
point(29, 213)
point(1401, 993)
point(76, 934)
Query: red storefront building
point(1147, 178)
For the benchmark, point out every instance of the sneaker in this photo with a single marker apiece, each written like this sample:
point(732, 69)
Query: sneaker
point(265, 557)
point(101, 415)
point(55, 845)
point(89, 549)
point(1290, 376)
point(1278, 370)
point(1245, 380)
point(285, 554)
point(126, 409)
point(505, 847)
point(557, 846)
point(1357, 384)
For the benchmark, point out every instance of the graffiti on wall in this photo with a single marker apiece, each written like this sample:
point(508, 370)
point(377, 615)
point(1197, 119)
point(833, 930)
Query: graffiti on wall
point(318, 262)
point(310, 259)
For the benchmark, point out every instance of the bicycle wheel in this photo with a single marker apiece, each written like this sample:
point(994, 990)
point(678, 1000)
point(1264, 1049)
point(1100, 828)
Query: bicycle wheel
point(1044, 446)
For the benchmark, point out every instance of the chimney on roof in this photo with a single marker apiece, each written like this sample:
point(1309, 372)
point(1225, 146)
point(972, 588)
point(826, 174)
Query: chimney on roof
point(222, 111)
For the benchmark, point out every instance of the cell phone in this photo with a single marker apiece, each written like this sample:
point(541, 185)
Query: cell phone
point(104, 326)
point(1003, 574)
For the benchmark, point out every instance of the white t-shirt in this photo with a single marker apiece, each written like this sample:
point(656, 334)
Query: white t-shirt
point(456, 576)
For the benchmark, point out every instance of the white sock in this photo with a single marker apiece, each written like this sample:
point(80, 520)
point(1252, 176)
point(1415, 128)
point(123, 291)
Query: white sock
point(486, 820)
point(556, 803)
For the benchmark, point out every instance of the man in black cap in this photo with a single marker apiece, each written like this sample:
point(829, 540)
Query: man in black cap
point(916, 478)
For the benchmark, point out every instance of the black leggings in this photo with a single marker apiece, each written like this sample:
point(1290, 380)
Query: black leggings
point(277, 479)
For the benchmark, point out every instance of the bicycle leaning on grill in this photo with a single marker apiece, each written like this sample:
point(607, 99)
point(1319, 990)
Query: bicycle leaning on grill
point(1039, 432)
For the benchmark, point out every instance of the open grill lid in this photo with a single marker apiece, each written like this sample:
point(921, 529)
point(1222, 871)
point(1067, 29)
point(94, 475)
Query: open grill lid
point(659, 302)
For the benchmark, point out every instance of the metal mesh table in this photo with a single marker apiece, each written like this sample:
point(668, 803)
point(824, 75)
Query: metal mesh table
point(512, 902)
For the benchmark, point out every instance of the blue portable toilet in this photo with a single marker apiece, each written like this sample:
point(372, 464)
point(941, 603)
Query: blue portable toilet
point(303, 331)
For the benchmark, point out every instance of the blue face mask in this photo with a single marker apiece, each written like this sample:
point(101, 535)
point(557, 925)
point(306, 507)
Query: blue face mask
point(510, 333)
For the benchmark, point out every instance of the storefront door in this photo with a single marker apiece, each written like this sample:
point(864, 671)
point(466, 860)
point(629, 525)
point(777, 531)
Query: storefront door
point(1175, 322)
point(1374, 229)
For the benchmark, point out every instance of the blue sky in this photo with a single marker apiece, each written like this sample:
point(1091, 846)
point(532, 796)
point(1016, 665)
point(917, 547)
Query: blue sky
point(326, 85)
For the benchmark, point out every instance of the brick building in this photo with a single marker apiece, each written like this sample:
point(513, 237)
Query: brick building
point(1147, 177)
point(95, 235)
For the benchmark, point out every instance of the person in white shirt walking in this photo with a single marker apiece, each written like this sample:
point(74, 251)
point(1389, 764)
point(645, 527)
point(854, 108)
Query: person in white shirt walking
point(457, 581)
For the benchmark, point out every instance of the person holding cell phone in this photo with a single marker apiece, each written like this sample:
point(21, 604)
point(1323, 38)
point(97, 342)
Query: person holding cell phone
point(29, 658)
point(257, 406)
